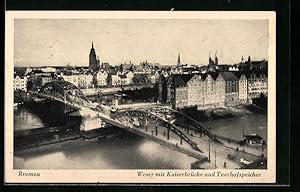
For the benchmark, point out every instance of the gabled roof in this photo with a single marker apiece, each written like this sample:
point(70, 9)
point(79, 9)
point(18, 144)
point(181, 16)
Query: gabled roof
point(238, 74)
point(179, 80)
point(128, 71)
point(197, 77)
point(16, 76)
point(257, 72)
point(101, 71)
point(186, 77)
point(229, 76)
point(214, 75)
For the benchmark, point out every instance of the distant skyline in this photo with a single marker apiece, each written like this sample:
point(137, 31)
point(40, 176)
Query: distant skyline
point(59, 42)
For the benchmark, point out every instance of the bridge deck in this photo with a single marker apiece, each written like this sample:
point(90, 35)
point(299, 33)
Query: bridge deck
point(157, 139)
point(108, 119)
point(223, 150)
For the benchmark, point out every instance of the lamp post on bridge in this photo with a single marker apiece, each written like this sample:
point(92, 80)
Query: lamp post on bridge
point(243, 136)
point(209, 144)
point(168, 131)
point(215, 158)
point(187, 127)
point(156, 128)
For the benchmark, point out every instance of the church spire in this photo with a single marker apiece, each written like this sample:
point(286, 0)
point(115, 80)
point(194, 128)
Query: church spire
point(210, 61)
point(249, 59)
point(242, 60)
point(178, 60)
point(92, 45)
point(216, 59)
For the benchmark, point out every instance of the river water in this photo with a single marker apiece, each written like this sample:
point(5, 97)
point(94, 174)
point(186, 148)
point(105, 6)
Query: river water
point(126, 151)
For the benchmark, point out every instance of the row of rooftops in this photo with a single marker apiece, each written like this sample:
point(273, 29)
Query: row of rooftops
point(182, 79)
point(214, 75)
point(257, 67)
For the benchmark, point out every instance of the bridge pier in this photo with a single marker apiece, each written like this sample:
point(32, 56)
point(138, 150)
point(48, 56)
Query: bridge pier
point(90, 123)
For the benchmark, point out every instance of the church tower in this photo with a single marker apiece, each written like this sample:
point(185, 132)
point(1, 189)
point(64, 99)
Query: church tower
point(92, 59)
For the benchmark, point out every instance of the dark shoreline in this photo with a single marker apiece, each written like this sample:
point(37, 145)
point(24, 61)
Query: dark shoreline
point(226, 113)
point(42, 137)
point(23, 139)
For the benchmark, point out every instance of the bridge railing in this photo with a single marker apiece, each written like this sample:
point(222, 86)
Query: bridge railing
point(170, 126)
point(118, 123)
point(77, 106)
point(196, 124)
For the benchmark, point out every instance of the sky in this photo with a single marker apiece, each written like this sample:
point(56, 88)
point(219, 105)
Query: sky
point(58, 42)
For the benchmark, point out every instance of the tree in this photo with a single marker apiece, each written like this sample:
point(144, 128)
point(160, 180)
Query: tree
point(137, 79)
point(140, 79)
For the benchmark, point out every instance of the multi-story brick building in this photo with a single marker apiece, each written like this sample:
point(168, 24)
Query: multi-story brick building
point(209, 91)
point(243, 89)
point(213, 90)
point(257, 84)
point(231, 88)
point(220, 85)
point(177, 90)
point(196, 91)
point(181, 95)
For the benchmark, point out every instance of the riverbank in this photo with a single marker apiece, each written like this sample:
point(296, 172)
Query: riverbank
point(223, 113)
point(54, 137)
point(230, 124)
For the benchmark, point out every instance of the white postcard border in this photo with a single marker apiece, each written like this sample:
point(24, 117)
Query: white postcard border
point(130, 176)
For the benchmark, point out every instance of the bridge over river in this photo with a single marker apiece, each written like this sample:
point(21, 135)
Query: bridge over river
point(154, 123)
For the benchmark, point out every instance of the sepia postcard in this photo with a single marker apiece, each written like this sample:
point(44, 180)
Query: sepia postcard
point(140, 97)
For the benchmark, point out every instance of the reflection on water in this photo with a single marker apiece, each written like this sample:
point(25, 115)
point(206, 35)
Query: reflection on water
point(127, 151)
point(24, 119)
